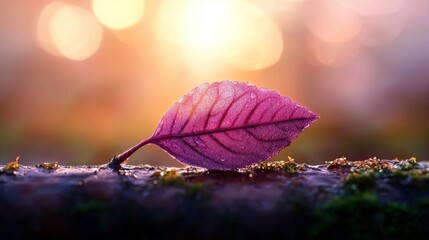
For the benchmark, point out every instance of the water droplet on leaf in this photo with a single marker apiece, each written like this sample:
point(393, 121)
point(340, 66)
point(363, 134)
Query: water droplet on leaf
point(200, 143)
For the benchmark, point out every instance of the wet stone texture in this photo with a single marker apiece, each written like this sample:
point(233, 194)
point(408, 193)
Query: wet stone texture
point(368, 199)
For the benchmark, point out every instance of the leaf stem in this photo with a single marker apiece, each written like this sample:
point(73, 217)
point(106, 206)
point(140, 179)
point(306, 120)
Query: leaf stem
point(117, 160)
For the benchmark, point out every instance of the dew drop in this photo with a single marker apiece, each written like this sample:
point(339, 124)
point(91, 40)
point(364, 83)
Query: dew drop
point(200, 143)
point(222, 160)
point(227, 92)
point(252, 95)
point(174, 146)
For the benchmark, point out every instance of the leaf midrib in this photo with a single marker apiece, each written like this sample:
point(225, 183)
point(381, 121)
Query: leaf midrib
point(155, 139)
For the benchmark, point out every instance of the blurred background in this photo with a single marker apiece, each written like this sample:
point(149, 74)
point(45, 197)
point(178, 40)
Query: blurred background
point(82, 80)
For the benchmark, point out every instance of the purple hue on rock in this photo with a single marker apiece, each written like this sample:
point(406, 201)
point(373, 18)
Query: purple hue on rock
point(229, 125)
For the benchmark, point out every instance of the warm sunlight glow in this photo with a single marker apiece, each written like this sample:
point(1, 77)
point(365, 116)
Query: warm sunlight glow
point(373, 8)
point(204, 27)
point(43, 31)
point(118, 14)
point(333, 54)
point(383, 29)
point(221, 32)
point(276, 5)
point(75, 32)
point(331, 22)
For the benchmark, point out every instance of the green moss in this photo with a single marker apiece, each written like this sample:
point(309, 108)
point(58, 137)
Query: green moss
point(48, 165)
point(409, 170)
point(192, 190)
point(365, 174)
point(371, 164)
point(196, 191)
point(374, 164)
point(406, 165)
point(358, 213)
point(360, 182)
point(284, 167)
point(413, 176)
point(11, 167)
point(341, 162)
point(363, 216)
point(91, 207)
point(345, 217)
point(168, 178)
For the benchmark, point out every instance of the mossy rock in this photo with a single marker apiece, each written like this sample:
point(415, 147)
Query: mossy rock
point(368, 199)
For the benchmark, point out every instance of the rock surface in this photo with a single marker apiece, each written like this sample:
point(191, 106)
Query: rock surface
point(355, 200)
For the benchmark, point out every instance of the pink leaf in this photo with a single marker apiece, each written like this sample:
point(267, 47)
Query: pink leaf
point(227, 125)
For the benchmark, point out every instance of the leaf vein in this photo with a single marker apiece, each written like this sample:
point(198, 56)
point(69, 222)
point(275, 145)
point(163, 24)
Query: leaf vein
point(205, 132)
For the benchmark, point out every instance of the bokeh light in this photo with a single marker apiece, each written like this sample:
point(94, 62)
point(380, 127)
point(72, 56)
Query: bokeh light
point(69, 31)
point(373, 8)
point(232, 33)
point(333, 54)
point(332, 22)
point(383, 29)
point(276, 5)
point(118, 14)
point(75, 32)
point(43, 27)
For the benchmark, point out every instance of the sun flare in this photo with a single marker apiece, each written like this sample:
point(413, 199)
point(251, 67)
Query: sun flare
point(118, 14)
point(232, 33)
